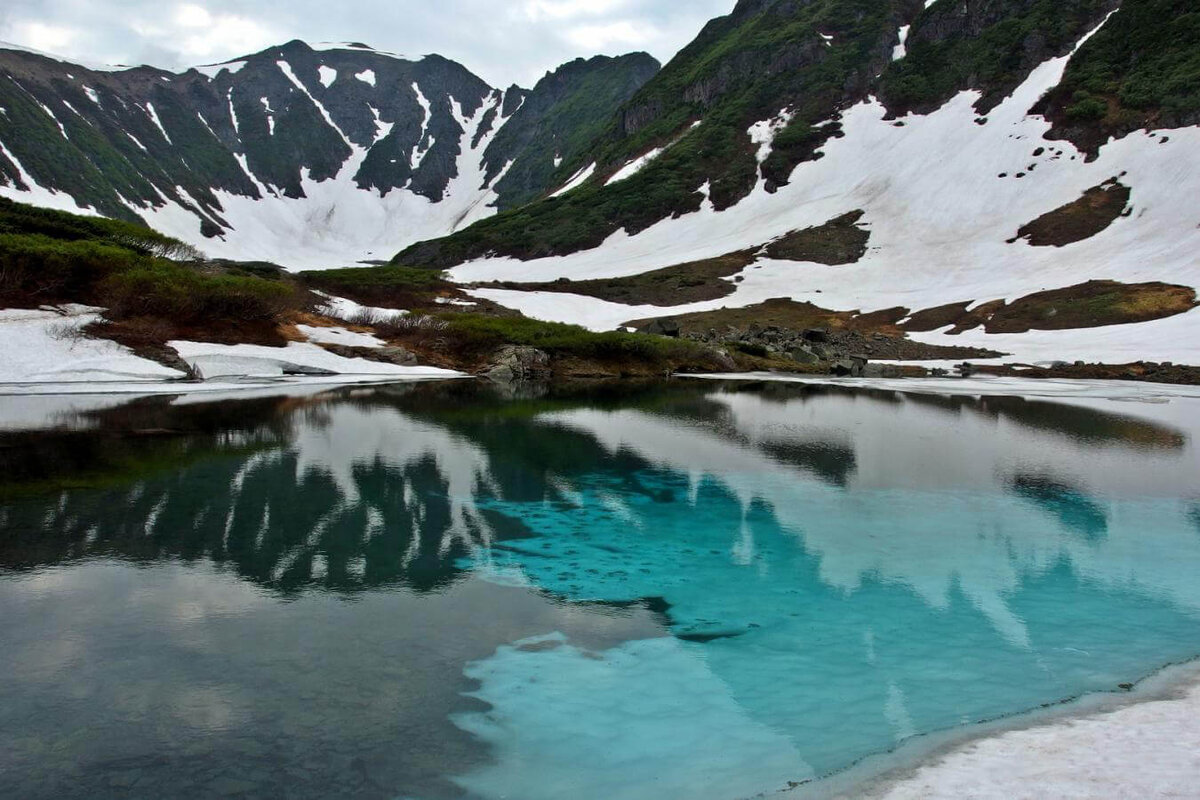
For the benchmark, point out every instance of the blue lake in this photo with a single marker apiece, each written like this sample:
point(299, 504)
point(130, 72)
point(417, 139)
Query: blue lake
point(687, 589)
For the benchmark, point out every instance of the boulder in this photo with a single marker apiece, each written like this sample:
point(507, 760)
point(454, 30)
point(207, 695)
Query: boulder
point(803, 355)
point(398, 355)
point(513, 363)
point(300, 370)
point(817, 335)
point(667, 326)
point(882, 371)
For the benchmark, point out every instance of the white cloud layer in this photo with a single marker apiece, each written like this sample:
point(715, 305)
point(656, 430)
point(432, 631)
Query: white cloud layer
point(503, 41)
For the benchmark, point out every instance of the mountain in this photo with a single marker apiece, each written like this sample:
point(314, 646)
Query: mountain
point(777, 73)
point(998, 173)
point(305, 155)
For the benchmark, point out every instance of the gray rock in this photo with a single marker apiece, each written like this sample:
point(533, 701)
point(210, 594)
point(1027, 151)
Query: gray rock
point(667, 326)
point(817, 335)
point(306, 372)
point(399, 356)
point(513, 363)
point(882, 371)
point(803, 355)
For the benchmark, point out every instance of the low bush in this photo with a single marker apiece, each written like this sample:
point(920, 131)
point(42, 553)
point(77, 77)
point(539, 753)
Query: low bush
point(168, 290)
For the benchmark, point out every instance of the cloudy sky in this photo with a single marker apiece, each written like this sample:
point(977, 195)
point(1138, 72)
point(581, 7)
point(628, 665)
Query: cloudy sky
point(503, 41)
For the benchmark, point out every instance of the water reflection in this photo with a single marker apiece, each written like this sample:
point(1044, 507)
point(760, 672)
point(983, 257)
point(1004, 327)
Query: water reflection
point(1070, 505)
point(837, 570)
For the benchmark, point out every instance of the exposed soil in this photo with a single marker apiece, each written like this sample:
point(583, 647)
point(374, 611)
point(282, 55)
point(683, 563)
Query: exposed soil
point(839, 241)
point(1082, 219)
point(692, 282)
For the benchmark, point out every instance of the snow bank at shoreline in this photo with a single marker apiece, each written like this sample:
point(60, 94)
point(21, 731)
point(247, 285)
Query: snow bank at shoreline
point(1142, 744)
point(45, 352)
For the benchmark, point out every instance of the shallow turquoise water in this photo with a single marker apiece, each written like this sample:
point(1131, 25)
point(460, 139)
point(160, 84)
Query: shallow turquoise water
point(696, 590)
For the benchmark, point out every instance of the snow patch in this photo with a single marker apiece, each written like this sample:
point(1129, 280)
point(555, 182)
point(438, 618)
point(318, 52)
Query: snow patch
point(339, 336)
point(326, 75)
point(367, 76)
point(157, 122)
point(901, 50)
point(634, 167)
point(213, 70)
point(46, 346)
point(577, 180)
point(763, 133)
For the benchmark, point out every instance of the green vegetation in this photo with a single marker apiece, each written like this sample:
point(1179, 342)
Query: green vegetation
point(743, 68)
point(839, 241)
point(479, 333)
point(1141, 68)
point(562, 116)
point(388, 286)
point(52, 256)
point(991, 47)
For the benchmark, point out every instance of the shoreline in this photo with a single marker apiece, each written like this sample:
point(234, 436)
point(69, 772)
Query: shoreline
point(1065, 746)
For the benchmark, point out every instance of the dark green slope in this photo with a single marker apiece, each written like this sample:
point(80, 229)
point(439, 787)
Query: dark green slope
point(559, 119)
point(1142, 69)
point(989, 45)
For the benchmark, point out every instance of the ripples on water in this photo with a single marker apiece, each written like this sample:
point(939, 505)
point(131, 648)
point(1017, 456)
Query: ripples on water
point(678, 590)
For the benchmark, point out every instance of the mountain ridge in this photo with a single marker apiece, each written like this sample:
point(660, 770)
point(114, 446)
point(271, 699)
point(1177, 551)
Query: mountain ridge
point(286, 125)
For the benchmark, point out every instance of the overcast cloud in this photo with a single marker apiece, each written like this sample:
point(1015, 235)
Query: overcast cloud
point(503, 41)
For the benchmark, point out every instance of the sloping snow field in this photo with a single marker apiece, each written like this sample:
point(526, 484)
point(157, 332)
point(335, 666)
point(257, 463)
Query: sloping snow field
point(940, 217)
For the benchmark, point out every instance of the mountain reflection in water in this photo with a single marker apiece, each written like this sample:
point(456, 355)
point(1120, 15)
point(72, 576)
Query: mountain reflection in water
point(814, 573)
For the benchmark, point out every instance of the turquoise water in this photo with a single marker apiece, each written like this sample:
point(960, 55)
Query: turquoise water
point(680, 590)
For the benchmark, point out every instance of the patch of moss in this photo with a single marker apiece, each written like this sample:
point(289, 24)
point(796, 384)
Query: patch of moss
point(1098, 208)
point(839, 241)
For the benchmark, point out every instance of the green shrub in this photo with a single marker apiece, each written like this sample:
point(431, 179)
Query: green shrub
point(1089, 108)
point(38, 269)
point(163, 289)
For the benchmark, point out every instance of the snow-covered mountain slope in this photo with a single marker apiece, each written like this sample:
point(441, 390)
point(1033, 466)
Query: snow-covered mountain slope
point(944, 195)
point(305, 155)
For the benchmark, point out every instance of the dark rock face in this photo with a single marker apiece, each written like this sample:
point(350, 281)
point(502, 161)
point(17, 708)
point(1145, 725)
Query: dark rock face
point(135, 138)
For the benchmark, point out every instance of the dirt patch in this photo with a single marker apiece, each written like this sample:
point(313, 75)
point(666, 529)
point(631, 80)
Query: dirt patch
point(692, 282)
point(839, 241)
point(1082, 219)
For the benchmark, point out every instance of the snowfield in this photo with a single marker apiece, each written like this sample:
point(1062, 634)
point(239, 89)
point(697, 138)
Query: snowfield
point(940, 217)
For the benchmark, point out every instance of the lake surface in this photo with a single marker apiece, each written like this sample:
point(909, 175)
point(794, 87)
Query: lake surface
point(681, 590)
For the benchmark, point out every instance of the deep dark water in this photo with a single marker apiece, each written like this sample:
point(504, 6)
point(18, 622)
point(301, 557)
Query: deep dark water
point(662, 590)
